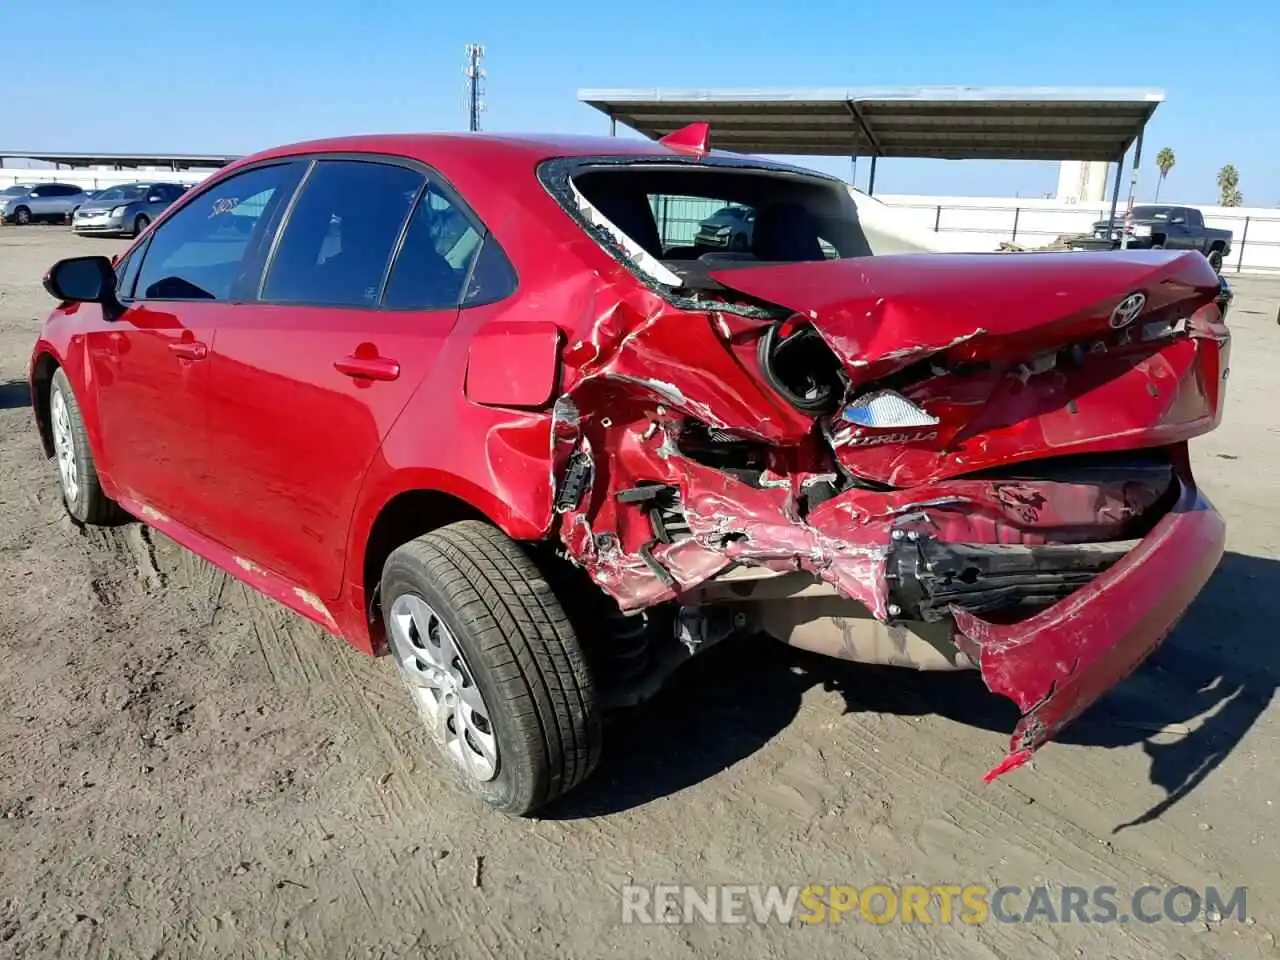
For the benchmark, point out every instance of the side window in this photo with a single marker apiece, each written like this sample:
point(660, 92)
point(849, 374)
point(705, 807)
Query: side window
point(68, 190)
point(1194, 217)
point(341, 234)
point(198, 253)
point(436, 256)
point(492, 278)
point(39, 192)
point(127, 273)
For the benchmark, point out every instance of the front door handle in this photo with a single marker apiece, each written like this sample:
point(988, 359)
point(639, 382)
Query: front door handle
point(189, 350)
point(368, 368)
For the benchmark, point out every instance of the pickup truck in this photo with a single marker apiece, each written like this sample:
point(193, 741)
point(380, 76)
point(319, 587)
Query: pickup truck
point(1159, 227)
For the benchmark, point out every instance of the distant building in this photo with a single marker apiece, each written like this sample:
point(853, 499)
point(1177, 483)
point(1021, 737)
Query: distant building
point(1082, 181)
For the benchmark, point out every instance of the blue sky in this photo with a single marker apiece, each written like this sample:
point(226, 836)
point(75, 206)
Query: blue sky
point(238, 75)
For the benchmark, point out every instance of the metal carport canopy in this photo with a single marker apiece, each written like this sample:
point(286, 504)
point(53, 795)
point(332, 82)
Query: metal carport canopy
point(949, 123)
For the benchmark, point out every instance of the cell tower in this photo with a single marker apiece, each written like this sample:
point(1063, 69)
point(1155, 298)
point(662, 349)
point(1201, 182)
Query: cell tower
point(475, 85)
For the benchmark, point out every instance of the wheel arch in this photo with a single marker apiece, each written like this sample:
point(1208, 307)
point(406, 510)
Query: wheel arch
point(43, 367)
point(416, 506)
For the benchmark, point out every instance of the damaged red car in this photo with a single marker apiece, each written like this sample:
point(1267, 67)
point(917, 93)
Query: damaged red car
point(488, 405)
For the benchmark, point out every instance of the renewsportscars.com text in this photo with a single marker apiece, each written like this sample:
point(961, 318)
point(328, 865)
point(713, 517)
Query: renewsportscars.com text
point(921, 904)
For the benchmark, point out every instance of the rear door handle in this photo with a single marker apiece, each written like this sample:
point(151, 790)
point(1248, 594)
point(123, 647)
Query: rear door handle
point(190, 350)
point(368, 368)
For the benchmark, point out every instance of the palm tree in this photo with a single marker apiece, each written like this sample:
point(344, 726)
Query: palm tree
point(1164, 163)
point(1229, 187)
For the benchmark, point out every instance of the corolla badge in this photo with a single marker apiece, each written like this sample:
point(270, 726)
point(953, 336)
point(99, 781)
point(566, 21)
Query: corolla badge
point(1127, 310)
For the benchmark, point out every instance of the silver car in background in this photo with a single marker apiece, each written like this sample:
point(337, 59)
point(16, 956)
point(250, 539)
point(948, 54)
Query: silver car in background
point(125, 209)
point(26, 203)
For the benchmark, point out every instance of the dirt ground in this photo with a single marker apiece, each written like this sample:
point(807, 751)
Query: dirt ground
point(189, 770)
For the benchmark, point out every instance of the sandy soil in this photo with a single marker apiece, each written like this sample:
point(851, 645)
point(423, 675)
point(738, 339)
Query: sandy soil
point(188, 770)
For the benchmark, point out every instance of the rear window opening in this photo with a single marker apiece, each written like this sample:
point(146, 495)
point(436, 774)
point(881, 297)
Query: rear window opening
point(673, 221)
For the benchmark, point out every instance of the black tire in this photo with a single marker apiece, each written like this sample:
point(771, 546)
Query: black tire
point(521, 650)
point(22, 216)
point(140, 223)
point(1215, 259)
point(1157, 246)
point(87, 503)
point(738, 242)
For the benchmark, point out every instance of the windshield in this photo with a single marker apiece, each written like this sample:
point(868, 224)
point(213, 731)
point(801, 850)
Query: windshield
point(659, 213)
point(15, 191)
point(127, 191)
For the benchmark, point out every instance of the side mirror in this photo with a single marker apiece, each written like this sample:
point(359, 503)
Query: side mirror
point(1178, 220)
point(155, 198)
point(82, 280)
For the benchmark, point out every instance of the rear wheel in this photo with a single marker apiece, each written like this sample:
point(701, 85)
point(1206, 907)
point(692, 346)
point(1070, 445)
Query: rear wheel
point(141, 223)
point(493, 665)
point(1215, 259)
point(78, 475)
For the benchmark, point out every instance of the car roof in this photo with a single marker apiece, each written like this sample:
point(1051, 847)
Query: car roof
point(43, 183)
point(443, 150)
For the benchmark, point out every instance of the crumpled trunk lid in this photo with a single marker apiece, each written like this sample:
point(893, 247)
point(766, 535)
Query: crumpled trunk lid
point(1015, 356)
point(878, 313)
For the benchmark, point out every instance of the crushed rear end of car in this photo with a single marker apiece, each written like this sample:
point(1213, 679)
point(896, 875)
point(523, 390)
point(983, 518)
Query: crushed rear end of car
point(933, 461)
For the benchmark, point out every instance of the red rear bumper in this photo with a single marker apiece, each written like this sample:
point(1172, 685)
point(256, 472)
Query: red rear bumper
point(1057, 663)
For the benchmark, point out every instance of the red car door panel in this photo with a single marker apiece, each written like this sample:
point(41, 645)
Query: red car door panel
point(301, 400)
point(152, 374)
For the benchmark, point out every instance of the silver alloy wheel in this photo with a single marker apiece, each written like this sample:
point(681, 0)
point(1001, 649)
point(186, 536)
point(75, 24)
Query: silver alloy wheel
point(64, 446)
point(443, 686)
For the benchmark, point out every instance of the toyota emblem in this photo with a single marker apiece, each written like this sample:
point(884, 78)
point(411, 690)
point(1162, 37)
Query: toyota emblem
point(1127, 310)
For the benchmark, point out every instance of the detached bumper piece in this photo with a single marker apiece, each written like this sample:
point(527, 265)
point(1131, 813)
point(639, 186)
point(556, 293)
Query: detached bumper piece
point(927, 577)
point(1057, 663)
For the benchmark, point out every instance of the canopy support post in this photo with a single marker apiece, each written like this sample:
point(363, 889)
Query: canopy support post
point(1115, 198)
point(1133, 180)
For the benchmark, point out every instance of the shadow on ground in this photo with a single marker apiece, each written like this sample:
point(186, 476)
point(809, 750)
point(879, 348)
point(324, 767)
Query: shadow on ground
point(14, 394)
point(1188, 705)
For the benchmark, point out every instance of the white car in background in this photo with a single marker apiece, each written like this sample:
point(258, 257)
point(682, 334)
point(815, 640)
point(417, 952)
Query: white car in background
point(25, 203)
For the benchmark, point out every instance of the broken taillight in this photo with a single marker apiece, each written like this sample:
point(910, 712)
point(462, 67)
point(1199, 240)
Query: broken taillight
point(885, 409)
point(798, 364)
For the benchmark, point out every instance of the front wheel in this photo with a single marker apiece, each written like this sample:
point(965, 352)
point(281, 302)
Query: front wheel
point(140, 224)
point(1215, 260)
point(77, 473)
point(22, 216)
point(493, 665)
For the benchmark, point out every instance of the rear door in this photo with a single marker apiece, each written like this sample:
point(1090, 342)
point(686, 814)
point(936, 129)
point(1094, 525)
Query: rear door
point(69, 197)
point(308, 381)
point(151, 365)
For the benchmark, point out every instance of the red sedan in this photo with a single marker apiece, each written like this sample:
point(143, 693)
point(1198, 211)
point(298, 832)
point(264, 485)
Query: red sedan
point(486, 404)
